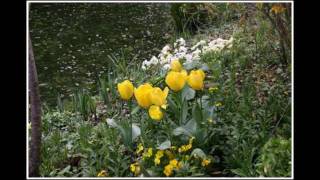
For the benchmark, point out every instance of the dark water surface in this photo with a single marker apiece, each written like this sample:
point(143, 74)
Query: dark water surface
point(72, 41)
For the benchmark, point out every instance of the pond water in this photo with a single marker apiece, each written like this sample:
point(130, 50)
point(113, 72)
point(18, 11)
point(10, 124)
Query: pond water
point(72, 41)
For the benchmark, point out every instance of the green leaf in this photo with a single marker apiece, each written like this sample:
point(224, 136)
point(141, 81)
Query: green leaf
point(188, 93)
point(198, 153)
point(184, 110)
point(180, 130)
point(197, 113)
point(239, 172)
point(191, 126)
point(191, 65)
point(135, 110)
point(165, 145)
point(146, 173)
point(66, 169)
point(173, 106)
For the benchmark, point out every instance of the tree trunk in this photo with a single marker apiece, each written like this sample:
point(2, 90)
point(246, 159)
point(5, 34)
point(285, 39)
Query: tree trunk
point(34, 158)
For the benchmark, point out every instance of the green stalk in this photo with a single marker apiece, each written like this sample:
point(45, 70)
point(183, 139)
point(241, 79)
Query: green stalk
point(200, 96)
point(181, 102)
point(130, 108)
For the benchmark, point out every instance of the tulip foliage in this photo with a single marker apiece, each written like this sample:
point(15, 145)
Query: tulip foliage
point(181, 102)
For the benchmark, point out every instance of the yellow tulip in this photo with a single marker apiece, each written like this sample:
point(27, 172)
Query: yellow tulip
point(142, 95)
point(125, 89)
point(175, 65)
point(176, 80)
point(159, 97)
point(155, 112)
point(195, 79)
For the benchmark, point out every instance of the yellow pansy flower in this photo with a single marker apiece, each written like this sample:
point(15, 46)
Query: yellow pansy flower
point(195, 79)
point(135, 168)
point(176, 80)
point(158, 156)
point(157, 161)
point(147, 154)
point(140, 148)
point(155, 113)
point(175, 65)
point(205, 162)
point(125, 89)
point(159, 97)
point(168, 170)
point(213, 89)
point(184, 148)
point(102, 173)
point(160, 153)
point(174, 163)
point(142, 95)
point(187, 147)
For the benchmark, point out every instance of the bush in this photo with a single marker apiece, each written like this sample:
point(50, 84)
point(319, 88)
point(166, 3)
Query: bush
point(275, 158)
point(190, 17)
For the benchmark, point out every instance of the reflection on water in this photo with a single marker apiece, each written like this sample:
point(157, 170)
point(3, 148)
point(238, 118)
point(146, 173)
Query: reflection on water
point(72, 41)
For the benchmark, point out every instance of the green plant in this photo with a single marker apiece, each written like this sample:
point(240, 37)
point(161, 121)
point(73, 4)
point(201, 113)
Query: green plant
point(84, 104)
point(60, 103)
point(275, 158)
point(190, 17)
point(104, 90)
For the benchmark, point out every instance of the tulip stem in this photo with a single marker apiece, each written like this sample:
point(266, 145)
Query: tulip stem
point(130, 107)
point(200, 101)
point(181, 106)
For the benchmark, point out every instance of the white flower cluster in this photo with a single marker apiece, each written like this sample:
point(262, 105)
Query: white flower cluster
point(218, 45)
point(181, 51)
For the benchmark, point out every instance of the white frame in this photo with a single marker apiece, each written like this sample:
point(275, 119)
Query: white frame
point(236, 1)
